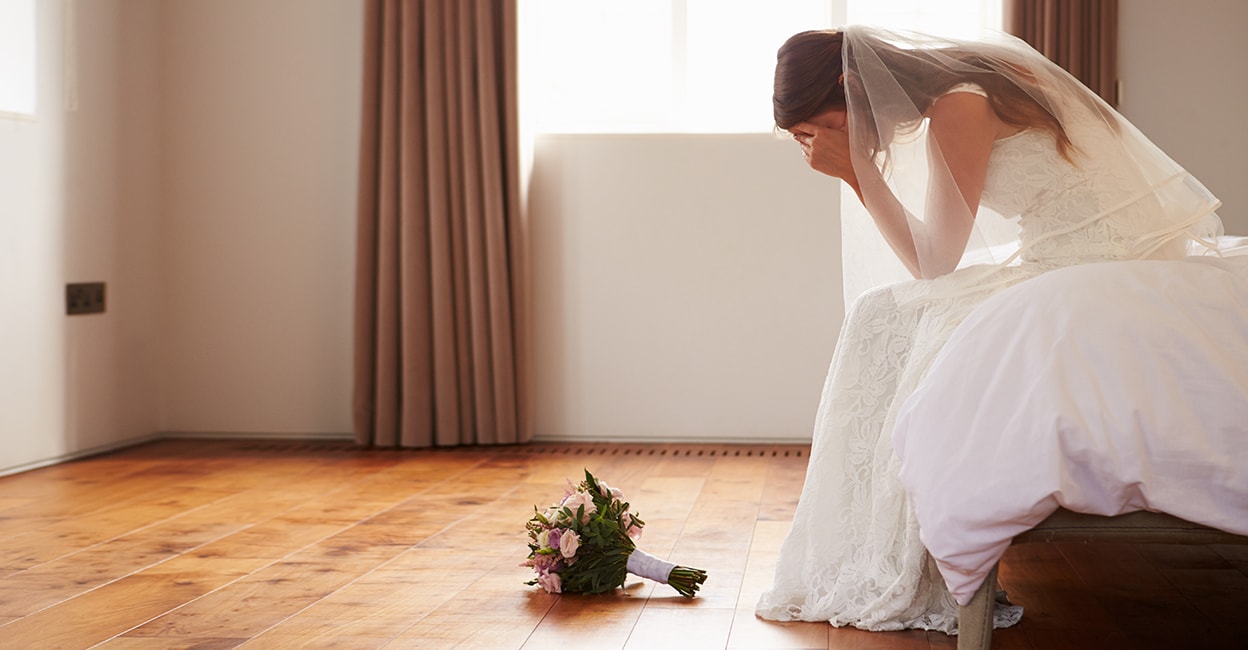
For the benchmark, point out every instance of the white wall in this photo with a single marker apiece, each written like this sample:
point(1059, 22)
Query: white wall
point(260, 137)
point(77, 203)
point(1184, 85)
point(688, 288)
point(208, 176)
point(685, 287)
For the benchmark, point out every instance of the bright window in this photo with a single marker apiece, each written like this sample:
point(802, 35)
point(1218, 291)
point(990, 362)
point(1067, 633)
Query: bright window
point(687, 66)
point(17, 56)
point(694, 66)
point(953, 18)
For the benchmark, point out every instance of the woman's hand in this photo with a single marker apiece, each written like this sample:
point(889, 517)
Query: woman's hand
point(826, 150)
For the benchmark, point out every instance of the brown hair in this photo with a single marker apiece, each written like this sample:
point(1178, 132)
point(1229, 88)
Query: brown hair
point(810, 79)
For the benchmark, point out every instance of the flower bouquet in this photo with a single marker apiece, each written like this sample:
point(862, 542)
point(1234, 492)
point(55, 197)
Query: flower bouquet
point(584, 544)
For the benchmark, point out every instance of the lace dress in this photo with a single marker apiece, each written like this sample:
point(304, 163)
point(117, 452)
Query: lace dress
point(853, 555)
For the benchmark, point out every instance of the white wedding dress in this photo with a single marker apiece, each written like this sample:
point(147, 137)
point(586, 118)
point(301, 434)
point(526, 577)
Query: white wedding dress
point(853, 556)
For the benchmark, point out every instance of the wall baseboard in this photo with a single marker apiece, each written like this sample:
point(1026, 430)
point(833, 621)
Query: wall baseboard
point(76, 455)
point(234, 435)
point(165, 435)
point(252, 435)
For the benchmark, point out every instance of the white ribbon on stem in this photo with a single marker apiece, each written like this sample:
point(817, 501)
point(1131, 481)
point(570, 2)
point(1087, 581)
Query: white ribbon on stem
point(643, 564)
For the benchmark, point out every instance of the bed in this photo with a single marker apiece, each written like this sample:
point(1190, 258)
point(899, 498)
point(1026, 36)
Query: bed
point(1100, 400)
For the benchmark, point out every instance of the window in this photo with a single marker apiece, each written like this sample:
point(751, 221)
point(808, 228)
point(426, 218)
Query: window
point(17, 57)
point(695, 66)
point(687, 66)
point(953, 18)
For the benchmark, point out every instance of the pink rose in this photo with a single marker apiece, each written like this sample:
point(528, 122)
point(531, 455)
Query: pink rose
point(550, 582)
point(569, 543)
point(608, 491)
point(575, 501)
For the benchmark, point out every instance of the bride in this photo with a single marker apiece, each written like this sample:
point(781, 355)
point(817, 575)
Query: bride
point(981, 165)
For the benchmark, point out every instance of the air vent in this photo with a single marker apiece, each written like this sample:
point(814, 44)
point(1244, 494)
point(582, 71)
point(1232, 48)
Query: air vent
point(634, 449)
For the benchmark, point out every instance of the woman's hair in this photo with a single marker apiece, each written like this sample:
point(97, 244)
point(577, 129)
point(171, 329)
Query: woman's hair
point(810, 78)
point(808, 81)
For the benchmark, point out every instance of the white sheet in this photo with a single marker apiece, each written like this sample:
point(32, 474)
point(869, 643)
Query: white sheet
point(1104, 389)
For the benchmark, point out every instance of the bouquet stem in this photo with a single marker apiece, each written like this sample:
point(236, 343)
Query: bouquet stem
point(684, 580)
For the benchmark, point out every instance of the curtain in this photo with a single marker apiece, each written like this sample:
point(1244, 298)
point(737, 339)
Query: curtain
point(438, 322)
point(1079, 35)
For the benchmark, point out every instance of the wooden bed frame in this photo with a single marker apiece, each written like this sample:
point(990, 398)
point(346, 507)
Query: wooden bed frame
point(975, 618)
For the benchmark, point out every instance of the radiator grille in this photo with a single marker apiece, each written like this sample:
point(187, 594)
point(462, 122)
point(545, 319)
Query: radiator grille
point(638, 449)
point(538, 448)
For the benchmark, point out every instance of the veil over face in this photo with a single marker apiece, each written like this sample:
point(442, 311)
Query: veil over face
point(891, 80)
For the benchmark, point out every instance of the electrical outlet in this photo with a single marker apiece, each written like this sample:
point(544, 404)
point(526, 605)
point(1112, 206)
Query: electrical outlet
point(84, 298)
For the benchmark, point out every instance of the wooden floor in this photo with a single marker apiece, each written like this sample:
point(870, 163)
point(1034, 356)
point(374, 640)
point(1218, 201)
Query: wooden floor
point(221, 544)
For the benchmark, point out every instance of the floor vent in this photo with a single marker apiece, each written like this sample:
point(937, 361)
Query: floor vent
point(339, 447)
point(294, 446)
point(635, 449)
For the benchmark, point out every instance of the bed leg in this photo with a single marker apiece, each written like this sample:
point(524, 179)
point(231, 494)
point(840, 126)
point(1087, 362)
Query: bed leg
point(975, 618)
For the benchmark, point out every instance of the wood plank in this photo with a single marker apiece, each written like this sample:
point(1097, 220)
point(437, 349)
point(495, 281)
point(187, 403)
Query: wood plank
point(585, 621)
point(72, 535)
point(272, 539)
point(1125, 584)
point(363, 613)
point(1074, 638)
point(1052, 593)
point(266, 597)
point(1215, 597)
point(60, 580)
point(493, 609)
point(1235, 554)
point(679, 628)
point(112, 609)
point(273, 544)
point(135, 643)
point(786, 473)
point(1013, 638)
point(849, 638)
point(749, 631)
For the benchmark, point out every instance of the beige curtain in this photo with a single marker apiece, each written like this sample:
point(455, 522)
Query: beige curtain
point(1079, 35)
point(440, 235)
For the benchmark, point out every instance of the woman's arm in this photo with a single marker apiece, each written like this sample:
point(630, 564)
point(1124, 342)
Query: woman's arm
point(827, 151)
point(962, 127)
point(890, 217)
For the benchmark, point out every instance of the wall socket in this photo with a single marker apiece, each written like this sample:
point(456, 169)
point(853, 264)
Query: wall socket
point(84, 298)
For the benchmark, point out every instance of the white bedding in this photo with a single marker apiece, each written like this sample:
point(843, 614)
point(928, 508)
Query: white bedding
point(1103, 389)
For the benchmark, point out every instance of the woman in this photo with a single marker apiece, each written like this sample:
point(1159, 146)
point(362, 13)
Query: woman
point(960, 152)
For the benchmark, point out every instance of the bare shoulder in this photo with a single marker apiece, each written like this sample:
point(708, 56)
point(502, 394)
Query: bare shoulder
point(957, 107)
point(966, 114)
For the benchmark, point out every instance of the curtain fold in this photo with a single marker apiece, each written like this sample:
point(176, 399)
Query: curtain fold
point(1079, 35)
point(440, 239)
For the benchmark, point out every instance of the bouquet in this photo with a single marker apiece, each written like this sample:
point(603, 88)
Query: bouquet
point(584, 544)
